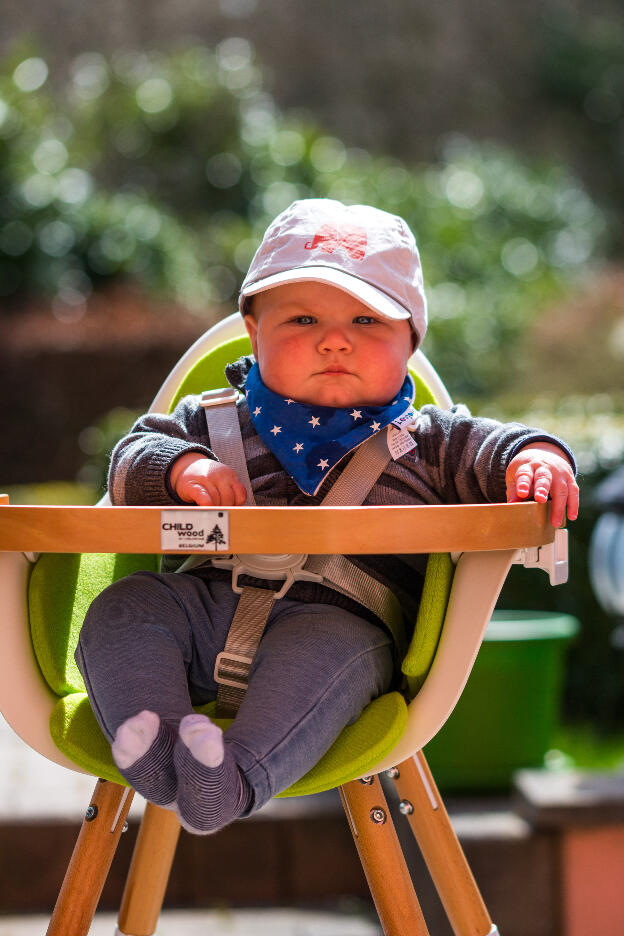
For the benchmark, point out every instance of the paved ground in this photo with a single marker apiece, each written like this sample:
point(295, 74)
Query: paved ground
point(219, 923)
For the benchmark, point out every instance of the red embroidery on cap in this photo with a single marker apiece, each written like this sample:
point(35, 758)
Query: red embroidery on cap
point(349, 237)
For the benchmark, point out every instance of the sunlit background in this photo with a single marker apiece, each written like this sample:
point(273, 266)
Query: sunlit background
point(144, 148)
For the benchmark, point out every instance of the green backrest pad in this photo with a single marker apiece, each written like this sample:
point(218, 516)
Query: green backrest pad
point(63, 586)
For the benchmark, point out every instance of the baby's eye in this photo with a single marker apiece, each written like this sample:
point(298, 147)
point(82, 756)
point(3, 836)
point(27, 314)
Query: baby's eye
point(364, 319)
point(304, 320)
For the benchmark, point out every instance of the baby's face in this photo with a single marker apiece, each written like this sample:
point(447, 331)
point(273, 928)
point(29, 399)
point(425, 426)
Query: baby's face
point(317, 344)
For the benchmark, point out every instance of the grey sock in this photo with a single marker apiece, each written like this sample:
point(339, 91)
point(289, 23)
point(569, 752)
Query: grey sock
point(143, 751)
point(211, 789)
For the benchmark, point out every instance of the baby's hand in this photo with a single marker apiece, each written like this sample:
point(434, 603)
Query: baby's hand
point(541, 470)
point(200, 480)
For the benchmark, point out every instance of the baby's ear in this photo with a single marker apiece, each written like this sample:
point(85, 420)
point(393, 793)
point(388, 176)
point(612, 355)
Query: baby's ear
point(251, 325)
point(415, 340)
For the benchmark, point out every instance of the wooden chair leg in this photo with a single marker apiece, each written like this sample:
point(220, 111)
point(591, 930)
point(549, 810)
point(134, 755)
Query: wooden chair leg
point(382, 858)
point(432, 829)
point(149, 872)
point(91, 860)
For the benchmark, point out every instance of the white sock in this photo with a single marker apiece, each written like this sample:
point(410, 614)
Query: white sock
point(143, 750)
point(203, 738)
point(134, 738)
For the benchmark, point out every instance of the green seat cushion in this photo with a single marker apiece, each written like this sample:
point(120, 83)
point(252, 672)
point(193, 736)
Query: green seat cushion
point(76, 733)
point(60, 590)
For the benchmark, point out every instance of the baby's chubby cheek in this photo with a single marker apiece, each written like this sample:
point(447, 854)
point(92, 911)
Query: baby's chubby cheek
point(280, 371)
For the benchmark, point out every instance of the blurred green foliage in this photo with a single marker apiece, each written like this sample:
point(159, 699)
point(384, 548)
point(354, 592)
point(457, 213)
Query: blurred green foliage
point(61, 232)
point(582, 748)
point(168, 168)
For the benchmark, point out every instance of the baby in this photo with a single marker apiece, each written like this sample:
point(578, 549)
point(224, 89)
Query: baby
point(334, 306)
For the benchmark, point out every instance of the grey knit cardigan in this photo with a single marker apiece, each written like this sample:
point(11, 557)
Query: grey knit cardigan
point(458, 459)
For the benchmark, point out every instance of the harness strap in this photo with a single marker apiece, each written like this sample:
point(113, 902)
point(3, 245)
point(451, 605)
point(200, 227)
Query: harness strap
point(224, 431)
point(233, 664)
point(348, 579)
point(368, 462)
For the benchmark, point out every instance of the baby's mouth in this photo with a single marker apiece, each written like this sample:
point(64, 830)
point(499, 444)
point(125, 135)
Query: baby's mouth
point(332, 370)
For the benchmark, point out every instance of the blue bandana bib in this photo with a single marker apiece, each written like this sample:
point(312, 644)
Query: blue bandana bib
point(310, 440)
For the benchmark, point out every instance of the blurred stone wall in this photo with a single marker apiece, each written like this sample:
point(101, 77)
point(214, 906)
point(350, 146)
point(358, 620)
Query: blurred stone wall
point(57, 378)
point(392, 75)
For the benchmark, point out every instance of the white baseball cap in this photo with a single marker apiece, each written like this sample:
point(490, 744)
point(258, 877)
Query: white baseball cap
point(368, 253)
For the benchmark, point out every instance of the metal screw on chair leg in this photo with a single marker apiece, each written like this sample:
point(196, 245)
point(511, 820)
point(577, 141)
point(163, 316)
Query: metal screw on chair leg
point(377, 815)
point(393, 773)
point(367, 780)
point(405, 807)
point(91, 813)
point(125, 827)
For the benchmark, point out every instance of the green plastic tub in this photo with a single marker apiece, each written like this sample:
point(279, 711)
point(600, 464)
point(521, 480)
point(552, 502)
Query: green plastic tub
point(509, 709)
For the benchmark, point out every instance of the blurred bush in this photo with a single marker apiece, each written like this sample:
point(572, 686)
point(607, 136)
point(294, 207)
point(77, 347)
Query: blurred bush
point(61, 233)
point(167, 168)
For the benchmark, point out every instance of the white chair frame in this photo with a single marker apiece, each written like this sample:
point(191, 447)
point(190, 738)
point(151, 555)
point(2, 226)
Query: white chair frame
point(484, 540)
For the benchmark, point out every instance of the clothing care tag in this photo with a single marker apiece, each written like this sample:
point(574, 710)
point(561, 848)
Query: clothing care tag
point(192, 530)
point(406, 420)
point(399, 442)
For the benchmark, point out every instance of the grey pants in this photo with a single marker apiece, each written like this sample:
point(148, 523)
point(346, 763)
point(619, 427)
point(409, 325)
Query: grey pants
point(150, 640)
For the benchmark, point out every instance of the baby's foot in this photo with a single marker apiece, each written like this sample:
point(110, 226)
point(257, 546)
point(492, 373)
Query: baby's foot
point(143, 751)
point(211, 789)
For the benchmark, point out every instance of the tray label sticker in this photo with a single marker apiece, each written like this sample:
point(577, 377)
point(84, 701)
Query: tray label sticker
point(195, 530)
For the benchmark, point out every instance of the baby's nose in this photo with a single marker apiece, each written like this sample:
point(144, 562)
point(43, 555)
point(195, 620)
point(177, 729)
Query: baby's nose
point(335, 339)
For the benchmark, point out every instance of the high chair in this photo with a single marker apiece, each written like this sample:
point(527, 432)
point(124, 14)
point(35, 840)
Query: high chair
point(55, 560)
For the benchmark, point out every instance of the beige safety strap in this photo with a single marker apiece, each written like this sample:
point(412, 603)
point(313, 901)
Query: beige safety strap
point(350, 489)
point(233, 664)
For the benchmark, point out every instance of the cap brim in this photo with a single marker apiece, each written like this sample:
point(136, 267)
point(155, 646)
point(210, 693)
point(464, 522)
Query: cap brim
point(369, 295)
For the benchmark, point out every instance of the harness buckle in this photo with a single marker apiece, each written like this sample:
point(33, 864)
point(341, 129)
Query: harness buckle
point(288, 567)
point(218, 397)
point(231, 677)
